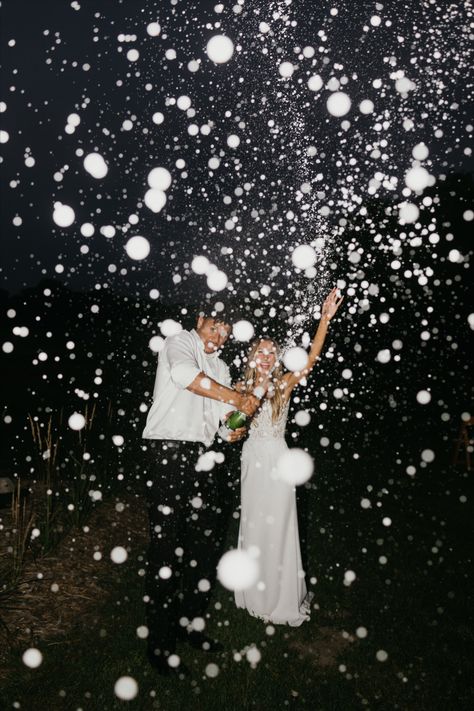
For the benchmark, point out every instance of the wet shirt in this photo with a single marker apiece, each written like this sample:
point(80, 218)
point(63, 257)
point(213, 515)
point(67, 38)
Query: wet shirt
point(177, 413)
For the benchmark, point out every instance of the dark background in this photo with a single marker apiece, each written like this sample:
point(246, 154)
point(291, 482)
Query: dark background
point(377, 429)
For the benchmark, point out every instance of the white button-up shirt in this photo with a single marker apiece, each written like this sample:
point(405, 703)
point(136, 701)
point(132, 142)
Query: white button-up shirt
point(177, 413)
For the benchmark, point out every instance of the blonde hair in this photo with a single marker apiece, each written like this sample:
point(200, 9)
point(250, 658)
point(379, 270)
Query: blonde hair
point(250, 380)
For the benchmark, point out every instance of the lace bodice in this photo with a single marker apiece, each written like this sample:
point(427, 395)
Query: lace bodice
point(262, 425)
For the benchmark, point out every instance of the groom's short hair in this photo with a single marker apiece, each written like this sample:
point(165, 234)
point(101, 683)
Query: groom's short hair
point(227, 315)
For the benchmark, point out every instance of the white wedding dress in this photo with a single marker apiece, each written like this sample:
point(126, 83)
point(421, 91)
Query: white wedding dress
point(269, 527)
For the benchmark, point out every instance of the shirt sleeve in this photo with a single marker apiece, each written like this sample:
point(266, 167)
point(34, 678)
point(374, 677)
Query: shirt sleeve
point(182, 362)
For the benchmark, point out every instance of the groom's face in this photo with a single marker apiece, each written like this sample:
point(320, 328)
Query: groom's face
point(212, 333)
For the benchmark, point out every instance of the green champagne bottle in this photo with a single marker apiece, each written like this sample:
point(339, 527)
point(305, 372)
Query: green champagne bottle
point(235, 420)
point(238, 419)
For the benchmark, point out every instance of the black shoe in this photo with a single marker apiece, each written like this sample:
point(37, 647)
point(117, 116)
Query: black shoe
point(160, 664)
point(200, 641)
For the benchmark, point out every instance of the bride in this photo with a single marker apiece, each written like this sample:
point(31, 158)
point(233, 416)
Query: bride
point(268, 522)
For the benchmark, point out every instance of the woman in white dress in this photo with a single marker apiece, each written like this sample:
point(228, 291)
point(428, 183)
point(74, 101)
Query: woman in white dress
point(268, 521)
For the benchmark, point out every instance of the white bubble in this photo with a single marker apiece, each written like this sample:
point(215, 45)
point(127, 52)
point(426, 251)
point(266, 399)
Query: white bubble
point(237, 570)
point(365, 503)
point(403, 85)
point(243, 331)
point(454, 255)
point(417, 178)
point(427, 455)
point(366, 106)
point(233, 141)
point(423, 397)
point(286, 69)
point(206, 461)
point(211, 670)
point(349, 577)
point(408, 213)
point(361, 632)
point(204, 585)
point(77, 421)
point(159, 179)
point(7, 347)
point(194, 65)
point(95, 165)
point(126, 688)
point(142, 632)
point(375, 20)
point(153, 29)
point(468, 215)
point(295, 359)
point(302, 418)
point(137, 247)
point(169, 327)
point(165, 572)
point(220, 49)
point(87, 229)
point(381, 655)
point(4, 136)
point(217, 280)
point(74, 120)
point(63, 215)
point(174, 660)
point(156, 344)
point(118, 440)
point(384, 356)
point(127, 125)
point(387, 521)
point(295, 466)
point(132, 55)
point(200, 265)
point(108, 231)
point(155, 200)
point(338, 104)
point(264, 27)
point(304, 256)
point(183, 103)
point(32, 658)
point(158, 117)
point(253, 655)
point(470, 320)
point(214, 163)
point(118, 554)
point(420, 151)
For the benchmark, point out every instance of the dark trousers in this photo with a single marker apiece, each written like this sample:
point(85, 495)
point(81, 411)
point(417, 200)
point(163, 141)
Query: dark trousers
point(188, 513)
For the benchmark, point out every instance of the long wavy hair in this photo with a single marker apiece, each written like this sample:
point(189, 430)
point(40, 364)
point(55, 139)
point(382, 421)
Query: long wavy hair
point(276, 388)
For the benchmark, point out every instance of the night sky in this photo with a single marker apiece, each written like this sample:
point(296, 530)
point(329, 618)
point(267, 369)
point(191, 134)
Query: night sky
point(298, 174)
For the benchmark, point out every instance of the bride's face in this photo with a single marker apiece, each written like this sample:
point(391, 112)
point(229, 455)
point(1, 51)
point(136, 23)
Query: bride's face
point(265, 357)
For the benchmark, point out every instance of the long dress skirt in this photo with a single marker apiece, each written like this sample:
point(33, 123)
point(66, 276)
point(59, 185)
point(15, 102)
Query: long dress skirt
point(269, 530)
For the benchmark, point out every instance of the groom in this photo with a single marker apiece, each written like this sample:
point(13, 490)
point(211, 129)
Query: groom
point(186, 486)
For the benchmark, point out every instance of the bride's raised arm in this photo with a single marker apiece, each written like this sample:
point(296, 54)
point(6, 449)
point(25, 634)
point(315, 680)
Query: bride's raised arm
point(328, 311)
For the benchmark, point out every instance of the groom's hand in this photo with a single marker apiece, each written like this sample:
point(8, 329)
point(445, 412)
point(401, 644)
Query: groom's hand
point(235, 435)
point(248, 404)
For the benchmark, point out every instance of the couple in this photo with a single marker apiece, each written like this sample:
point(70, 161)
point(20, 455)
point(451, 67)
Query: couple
point(188, 494)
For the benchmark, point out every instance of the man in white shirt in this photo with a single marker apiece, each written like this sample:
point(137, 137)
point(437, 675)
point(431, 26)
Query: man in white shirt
point(185, 487)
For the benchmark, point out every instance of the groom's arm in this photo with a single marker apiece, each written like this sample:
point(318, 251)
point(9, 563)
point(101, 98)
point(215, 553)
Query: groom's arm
point(207, 387)
point(186, 374)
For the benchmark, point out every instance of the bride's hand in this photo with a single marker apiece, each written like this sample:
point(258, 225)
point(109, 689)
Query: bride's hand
point(237, 434)
point(331, 305)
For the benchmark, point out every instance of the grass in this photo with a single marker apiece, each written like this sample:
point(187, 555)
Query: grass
point(413, 606)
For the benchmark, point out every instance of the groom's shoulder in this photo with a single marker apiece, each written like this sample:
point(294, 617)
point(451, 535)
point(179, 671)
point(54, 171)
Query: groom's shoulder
point(182, 336)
